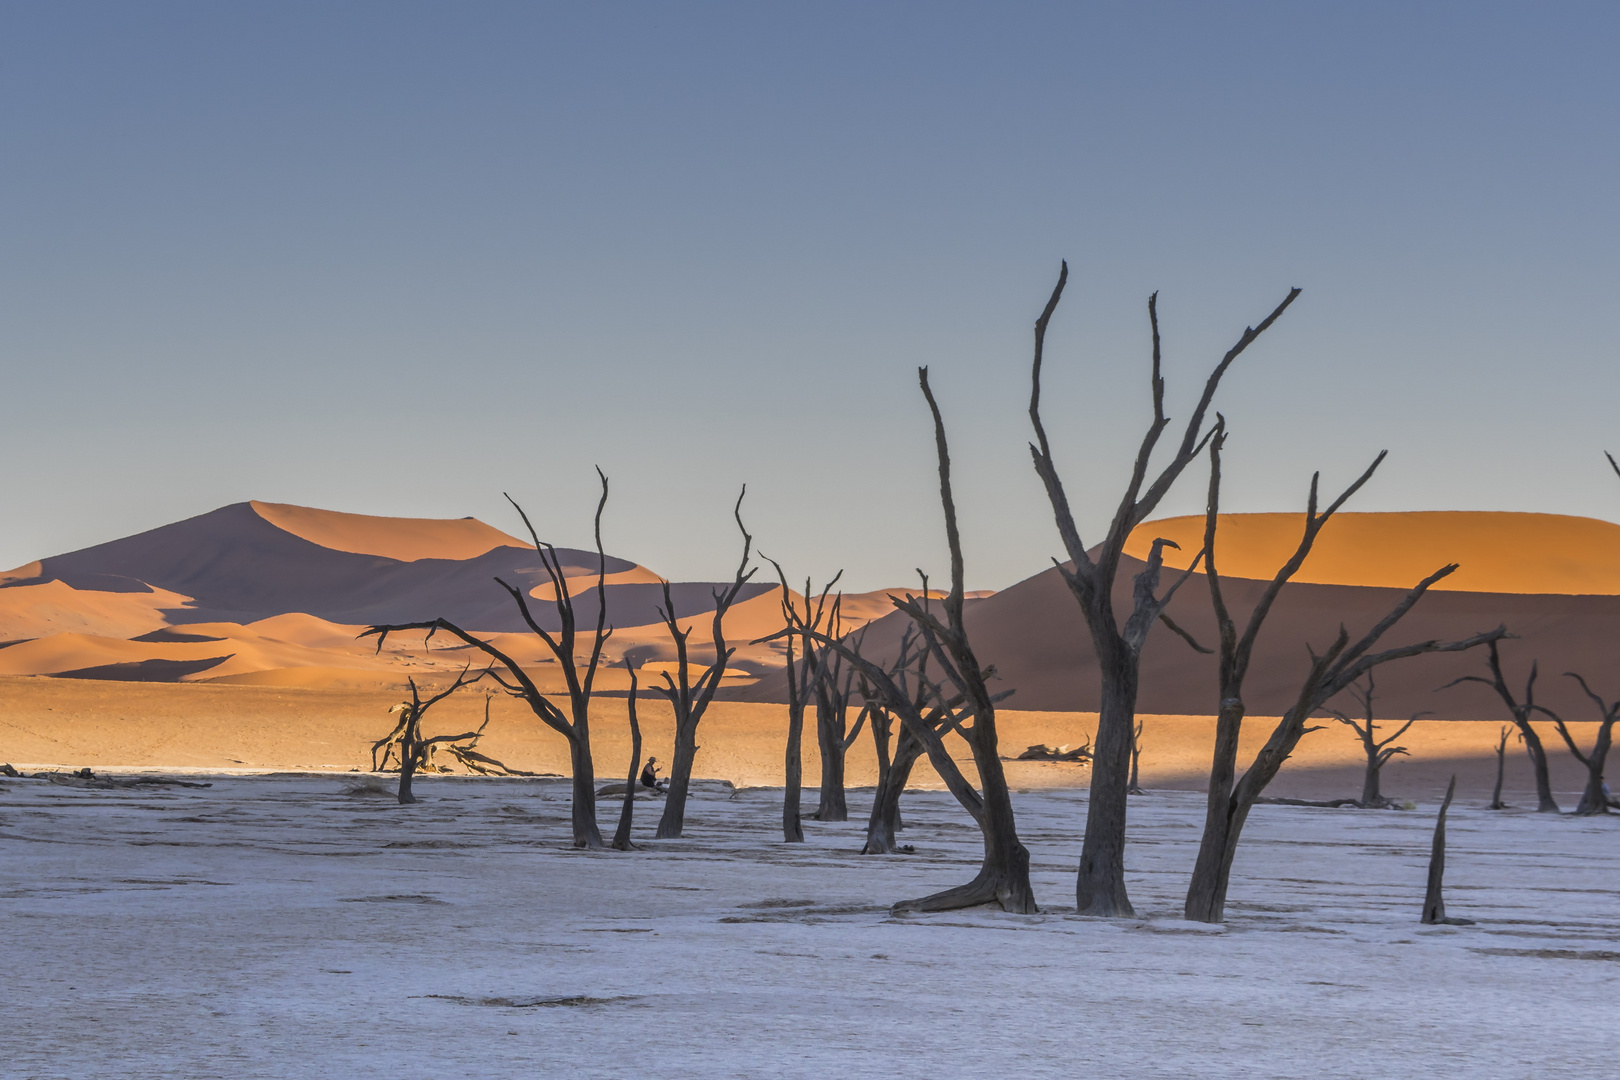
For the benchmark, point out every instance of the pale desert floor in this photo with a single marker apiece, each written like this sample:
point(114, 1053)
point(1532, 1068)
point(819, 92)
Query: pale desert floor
point(67, 723)
point(276, 927)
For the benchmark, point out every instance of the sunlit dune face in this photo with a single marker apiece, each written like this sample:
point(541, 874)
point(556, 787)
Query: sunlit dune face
point(405, 539)
point(1497, 552)
point(53, 607)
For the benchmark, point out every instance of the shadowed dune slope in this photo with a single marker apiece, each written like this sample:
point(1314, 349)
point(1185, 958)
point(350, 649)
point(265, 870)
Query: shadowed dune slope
point(236, 564)
point(1034, 636)
point(273, 593)
point(1554, 581)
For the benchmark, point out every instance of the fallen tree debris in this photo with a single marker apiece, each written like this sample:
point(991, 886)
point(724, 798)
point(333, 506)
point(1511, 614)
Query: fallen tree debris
point(1042, 752)
point(84, 778)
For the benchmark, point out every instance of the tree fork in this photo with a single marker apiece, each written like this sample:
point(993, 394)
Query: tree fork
point(1100, 883)
point(690, 700)
point(1341, 665)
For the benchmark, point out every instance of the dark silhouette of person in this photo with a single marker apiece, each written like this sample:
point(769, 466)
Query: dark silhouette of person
point(649, 775)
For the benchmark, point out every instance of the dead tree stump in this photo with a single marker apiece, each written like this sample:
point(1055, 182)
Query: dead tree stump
point(1434, 903)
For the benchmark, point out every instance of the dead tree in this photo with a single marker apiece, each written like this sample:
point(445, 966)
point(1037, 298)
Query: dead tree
point(467, 755)
point(621, 835)
point(884, 823)
point(1520, 709)
point(1594, 800)
point(834, 737)
point(1341, 665)
point(1434, 904)
point(799, 630)
point(575, 724)
point(688, 698)
point(894, 770)
point(1135, 786)
point(1378, 751)
point(1502, 761)
point(962, 702)
point(793, 763)
point(406, 746)
point(1090, 575)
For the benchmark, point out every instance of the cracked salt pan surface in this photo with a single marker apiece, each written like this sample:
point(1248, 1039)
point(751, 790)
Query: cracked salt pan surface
point(278, 928)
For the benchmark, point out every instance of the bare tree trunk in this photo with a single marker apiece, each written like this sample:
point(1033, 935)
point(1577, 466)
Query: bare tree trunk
point(1100, 884)
point(1520, 710)
point(882, 732)
point(885, 820)
point(680, 783)
point(1370, 795)
point(621, 836)
point(1223, 822)
point(407, 771)
point(1501, 768)
point(1545, 803)
point(1434, 904)
point(1005, 876)
point(1136, 761)
point(830, 723)
point(793, 792)
point(1593, 799)
point(583, 812)
point(410, 747)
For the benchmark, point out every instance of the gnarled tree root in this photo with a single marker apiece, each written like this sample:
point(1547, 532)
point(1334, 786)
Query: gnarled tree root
point(988, 888)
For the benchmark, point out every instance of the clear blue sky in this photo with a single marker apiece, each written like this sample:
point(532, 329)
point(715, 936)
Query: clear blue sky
point(399, 257)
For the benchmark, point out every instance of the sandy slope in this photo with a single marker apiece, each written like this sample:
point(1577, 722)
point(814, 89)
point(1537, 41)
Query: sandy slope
point(1498, 552)
point(405, 539)
point(287, 588)
point(54, 607)
point(1033, 634)
point(280, 929)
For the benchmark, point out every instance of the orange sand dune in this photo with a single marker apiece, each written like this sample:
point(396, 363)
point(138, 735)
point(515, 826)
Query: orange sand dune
point(1498, 552)
point(582, 580)
point(316, 678)
point(54, 607)
point(23, 572)
point(861, 608)
point(297, 628)
point(405, 539)
point(1032, 633)
point(64, 652)
point(242, 651)
point(289, 587)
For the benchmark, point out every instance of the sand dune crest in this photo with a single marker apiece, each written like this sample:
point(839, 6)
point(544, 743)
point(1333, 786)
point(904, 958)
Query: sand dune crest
point(405, 539)
point(1499, 552)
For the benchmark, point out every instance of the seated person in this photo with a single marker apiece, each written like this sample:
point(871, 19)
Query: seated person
point(649, 776)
